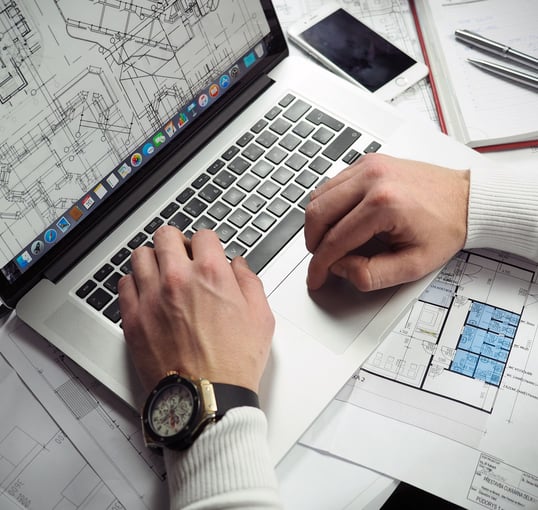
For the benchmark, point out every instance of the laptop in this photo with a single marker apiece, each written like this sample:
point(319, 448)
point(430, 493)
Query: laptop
point(120, 117)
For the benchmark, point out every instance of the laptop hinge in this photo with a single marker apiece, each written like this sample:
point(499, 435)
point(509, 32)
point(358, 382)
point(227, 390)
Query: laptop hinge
point(167, 168)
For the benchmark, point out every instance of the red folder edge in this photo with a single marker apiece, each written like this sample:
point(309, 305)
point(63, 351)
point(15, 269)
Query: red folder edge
point(485, 148)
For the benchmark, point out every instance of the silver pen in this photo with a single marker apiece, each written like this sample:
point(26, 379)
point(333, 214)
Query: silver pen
point(530, 80)
point(496, 48)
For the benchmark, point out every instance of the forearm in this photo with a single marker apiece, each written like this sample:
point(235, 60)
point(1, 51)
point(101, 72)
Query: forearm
point(503, 211)
point(228, 466)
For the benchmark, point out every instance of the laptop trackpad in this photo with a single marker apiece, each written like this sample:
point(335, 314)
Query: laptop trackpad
point(334, 315)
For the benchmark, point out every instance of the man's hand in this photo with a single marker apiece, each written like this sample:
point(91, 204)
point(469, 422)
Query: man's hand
point(419, 210)
point(186, 308)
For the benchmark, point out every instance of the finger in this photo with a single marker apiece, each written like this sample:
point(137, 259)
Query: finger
point(207, 249)
point(251, 287)
point(171, 247)
point(350, 233)
point(144, 268)
point(383, 270)
point(249, 283)
point(128, 299)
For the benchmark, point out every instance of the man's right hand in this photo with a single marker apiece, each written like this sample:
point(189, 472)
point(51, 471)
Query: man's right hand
point(419, 210)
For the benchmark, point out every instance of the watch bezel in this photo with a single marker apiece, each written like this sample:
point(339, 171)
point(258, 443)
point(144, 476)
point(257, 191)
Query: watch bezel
point(186, 435)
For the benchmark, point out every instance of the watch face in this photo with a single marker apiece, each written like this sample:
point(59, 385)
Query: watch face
point(171, 410)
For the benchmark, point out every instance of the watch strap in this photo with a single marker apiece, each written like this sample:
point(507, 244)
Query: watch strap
point(229, 396)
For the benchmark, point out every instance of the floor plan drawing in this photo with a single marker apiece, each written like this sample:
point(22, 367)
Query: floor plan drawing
point(460, 355)
point(106, 431)
point(456, 341)
point(30, 444)
point(82, 83)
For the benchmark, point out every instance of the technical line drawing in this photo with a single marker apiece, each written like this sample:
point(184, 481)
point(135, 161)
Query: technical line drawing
point(82, 83)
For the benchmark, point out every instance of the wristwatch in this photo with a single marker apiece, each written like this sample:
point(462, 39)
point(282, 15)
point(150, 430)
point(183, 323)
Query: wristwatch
point(180, 407)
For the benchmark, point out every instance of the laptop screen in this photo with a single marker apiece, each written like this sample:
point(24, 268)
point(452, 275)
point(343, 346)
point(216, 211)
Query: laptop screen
point(92, 91)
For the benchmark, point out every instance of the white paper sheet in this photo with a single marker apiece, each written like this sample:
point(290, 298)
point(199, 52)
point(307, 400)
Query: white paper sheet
point(449, 401)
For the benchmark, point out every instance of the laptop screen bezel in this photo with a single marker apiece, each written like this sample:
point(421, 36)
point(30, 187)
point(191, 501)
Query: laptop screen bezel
point(182, 149)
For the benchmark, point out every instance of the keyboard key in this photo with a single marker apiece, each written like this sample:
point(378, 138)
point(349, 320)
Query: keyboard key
point(169, 210)
point(153, 225)
point(185, 195)
point(215, 167)
point(120, 257)
point(210, 193)
point(341, 143)
point(278, 207)
point(264, 221)
point(249, 236)
point(244, 139)
point(320, 165)
point(254, 203)
point(239, 165)
point(204, 223)
point(253, 152)
point(276, 155)
point(273, 113)
point(306, 179)
point(309, 148)
point(239, 218)
point(234, 250)
point(233, 196)
point(275, 240)
point(296, 162)
point(103, 272)
point(224, 179)
point(280, 126)
point(286, 100)
point(303, 129)
point(267, 139)
point(248, 182)
point(318, 117)
point(259, 126)
point(195, 207)
point(225, 232)
point(292, 193)
point(296, 110)
point(112, 312)
point(323, 135)
point(219, 211)
point(112, 283)
point(230, 153)
point(289, 142)
point(137, 240)
point(351, 156)
point(262, 168)
point(99, 299)
point(373, 147)
point(127, 268)
point(268, 189)
point(282, 175)
point(200, 181)
point(180, 221)
point(85, 289)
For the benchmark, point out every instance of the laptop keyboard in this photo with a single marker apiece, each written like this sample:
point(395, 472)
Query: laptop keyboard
point(253, 196)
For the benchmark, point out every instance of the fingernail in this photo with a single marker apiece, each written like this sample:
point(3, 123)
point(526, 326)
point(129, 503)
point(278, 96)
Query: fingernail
point(339, 270)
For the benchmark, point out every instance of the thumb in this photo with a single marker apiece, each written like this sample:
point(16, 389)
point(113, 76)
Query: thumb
point(381, 270)
point(250, 285)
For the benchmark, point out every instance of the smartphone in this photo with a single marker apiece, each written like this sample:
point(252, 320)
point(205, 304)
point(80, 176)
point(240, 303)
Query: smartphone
point(348, 47)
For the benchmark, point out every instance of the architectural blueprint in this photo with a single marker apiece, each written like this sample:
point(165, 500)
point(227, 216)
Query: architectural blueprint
point(31, 443)
point(92, 430)
point(456, 381)
point(83, 82)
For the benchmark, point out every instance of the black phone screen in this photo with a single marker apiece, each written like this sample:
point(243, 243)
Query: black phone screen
point(357, 50)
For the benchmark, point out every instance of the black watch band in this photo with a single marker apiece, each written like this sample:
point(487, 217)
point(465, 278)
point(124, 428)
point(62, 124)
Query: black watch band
point(229, 396)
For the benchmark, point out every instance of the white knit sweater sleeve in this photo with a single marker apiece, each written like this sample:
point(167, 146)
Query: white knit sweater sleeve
point(503, 211)
point(228, 466)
